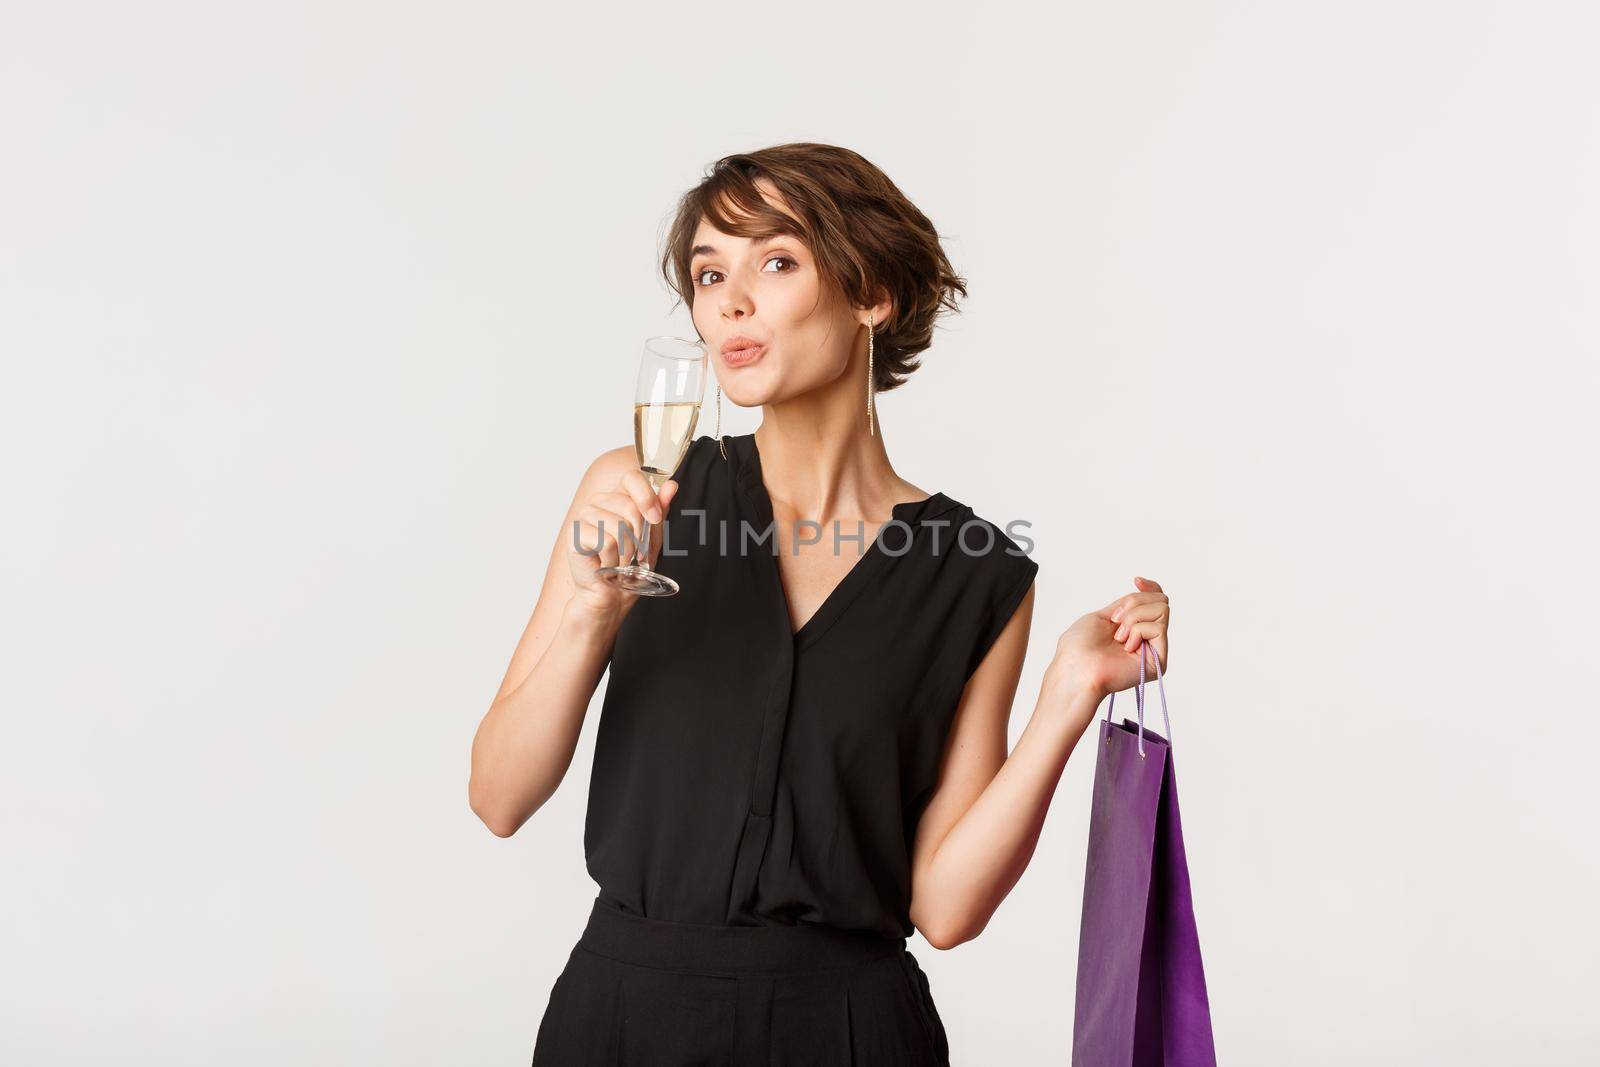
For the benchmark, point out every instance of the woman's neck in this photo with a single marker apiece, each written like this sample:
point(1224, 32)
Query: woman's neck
point(826, 468)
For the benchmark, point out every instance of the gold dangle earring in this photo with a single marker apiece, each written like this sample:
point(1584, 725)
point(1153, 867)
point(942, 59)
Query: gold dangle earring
point(870, 383)
point(718, 431)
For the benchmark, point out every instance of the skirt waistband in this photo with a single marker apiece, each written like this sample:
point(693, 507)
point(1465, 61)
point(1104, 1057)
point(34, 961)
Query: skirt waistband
point(765, 950)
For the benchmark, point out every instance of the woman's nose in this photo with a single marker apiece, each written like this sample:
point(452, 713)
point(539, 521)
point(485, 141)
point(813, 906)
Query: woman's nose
point(735, 303)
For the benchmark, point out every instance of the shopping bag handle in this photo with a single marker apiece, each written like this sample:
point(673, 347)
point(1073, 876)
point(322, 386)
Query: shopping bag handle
point(1138, 696)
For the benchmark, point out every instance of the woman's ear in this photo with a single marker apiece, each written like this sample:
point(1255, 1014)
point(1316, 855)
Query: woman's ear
point(882, 311)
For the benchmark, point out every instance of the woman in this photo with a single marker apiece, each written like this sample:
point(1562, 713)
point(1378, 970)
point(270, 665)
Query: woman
point(802, 755)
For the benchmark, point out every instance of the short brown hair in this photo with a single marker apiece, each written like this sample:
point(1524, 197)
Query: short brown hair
point(866, 236)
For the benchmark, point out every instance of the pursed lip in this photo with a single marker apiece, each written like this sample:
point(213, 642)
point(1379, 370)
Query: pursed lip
point(738, 341)
point(741, 349)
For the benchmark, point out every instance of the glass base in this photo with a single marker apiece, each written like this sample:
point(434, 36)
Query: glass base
point(638, 579)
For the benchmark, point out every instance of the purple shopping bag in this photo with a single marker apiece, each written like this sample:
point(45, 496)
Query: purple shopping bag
point(1141, 987)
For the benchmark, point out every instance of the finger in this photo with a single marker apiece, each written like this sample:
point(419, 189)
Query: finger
point(614, 528)
point(669, 489)
point(1147, 611)
point(1144, 611)
point(595, 545)
point(1143, 631)
point(606, 549)
point(1110, 610)
point(1129, 601)
point(658, 538)
point(582, 538)
point(1159, 645)
point(1147, 584)
point(637, 486)
point(626, 510)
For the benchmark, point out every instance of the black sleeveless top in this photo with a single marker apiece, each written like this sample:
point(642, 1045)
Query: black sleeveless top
point(748, 774)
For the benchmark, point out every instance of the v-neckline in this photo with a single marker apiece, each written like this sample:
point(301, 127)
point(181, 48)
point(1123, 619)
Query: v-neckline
point(846, 590)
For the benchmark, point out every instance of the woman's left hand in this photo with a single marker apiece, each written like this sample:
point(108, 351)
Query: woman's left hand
point(1101, 651)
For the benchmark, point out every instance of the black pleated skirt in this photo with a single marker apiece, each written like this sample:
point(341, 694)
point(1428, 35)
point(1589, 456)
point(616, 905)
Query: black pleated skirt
point(650, 993)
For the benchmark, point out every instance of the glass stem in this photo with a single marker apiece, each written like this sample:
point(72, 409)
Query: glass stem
point(643, 552)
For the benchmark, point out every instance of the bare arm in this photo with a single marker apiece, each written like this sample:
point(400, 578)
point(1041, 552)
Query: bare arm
point(524, 744)
point(978, 833)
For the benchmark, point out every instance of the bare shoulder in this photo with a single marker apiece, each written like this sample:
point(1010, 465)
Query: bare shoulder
point(612, 463)
point(605, 471)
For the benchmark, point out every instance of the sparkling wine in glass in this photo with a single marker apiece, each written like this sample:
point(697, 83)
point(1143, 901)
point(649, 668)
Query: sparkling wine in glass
point(666, 407)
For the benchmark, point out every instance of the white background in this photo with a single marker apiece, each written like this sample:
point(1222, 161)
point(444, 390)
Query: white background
point(312, 314)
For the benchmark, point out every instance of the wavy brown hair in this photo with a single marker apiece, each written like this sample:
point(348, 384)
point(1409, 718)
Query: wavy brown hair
point(866, 236)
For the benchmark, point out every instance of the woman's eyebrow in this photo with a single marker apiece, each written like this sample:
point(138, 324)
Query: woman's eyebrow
point(711, 250)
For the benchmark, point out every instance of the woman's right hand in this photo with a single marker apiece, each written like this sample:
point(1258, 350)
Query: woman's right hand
point(599, 539)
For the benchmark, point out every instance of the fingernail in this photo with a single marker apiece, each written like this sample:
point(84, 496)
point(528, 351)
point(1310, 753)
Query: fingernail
point(655, 514)
point(1116, 616)
point(1121, 632)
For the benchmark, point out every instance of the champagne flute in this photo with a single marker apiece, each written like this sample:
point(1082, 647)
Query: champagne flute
point(666, 407)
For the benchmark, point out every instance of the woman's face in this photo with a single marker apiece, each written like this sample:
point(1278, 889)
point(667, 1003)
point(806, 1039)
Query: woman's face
point(770, 292)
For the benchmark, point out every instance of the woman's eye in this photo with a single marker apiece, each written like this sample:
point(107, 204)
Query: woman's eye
point(700, 277)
